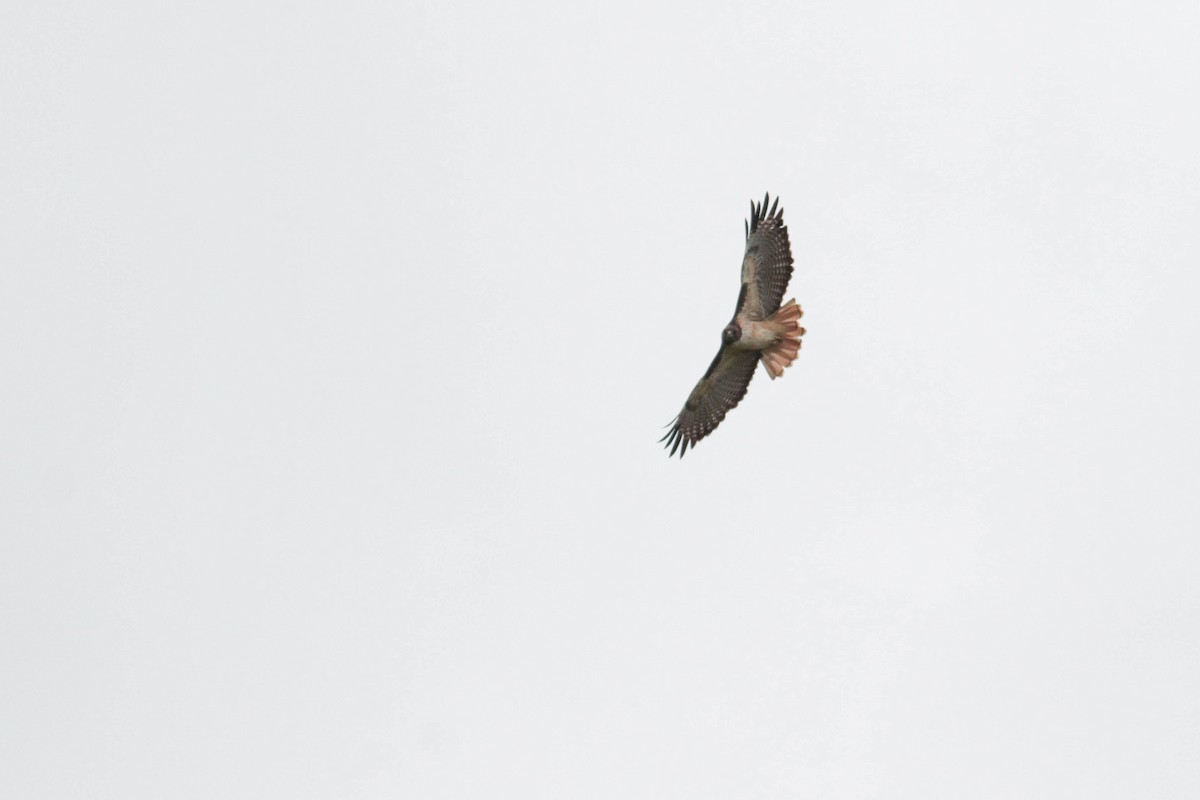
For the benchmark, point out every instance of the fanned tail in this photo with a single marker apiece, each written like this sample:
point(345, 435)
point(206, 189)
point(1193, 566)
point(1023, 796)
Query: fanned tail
point(786, 323)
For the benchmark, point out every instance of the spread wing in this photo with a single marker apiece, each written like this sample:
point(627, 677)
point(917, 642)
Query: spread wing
point(767, 265)
point(721, 388)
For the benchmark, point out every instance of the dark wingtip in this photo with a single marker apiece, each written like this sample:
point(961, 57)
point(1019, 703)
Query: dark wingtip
point(761, 211)
point(677, 441)
point(669, 436)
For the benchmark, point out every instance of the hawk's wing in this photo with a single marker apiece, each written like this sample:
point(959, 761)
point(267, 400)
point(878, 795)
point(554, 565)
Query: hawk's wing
point(767, 265)
point(721, 388)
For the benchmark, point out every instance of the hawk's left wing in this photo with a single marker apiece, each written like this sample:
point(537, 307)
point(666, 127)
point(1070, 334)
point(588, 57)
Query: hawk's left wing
point(721, 389)
point(767, 264)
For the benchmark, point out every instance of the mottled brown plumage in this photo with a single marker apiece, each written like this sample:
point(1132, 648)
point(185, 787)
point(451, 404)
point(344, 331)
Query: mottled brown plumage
point(760, 331)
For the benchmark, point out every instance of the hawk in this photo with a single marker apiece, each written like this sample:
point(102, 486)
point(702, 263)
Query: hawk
point(761, 330)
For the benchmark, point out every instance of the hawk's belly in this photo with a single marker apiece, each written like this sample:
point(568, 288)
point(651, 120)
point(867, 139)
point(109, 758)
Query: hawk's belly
point(755, 336)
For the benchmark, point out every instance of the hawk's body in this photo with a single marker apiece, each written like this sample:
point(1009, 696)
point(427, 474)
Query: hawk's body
point(761, 330)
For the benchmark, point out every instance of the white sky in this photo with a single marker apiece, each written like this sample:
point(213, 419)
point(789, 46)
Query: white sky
point(336, 344)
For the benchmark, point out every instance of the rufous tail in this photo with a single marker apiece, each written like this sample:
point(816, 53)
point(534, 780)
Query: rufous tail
point(786, 323)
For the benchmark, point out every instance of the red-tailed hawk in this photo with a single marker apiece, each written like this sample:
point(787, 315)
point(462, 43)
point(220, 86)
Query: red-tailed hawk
point(760, 331)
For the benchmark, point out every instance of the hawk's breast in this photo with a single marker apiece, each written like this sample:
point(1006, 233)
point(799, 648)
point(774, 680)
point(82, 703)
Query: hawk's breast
point(755, 336)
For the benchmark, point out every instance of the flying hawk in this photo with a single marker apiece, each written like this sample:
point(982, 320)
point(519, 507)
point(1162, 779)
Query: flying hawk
point(761, 330)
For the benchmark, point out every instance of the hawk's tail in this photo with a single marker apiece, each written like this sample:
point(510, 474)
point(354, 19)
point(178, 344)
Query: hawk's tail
point(786, 323)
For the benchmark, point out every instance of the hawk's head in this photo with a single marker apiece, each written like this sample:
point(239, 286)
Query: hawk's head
point(732, 333)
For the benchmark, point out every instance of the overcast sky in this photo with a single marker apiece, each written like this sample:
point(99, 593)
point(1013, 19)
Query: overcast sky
point(337, 339)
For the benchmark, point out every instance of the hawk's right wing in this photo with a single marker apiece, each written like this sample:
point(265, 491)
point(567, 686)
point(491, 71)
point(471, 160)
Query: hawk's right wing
point(721, 389)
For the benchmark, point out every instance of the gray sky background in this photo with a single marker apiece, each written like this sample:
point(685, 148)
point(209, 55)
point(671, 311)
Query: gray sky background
point(336, 343)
